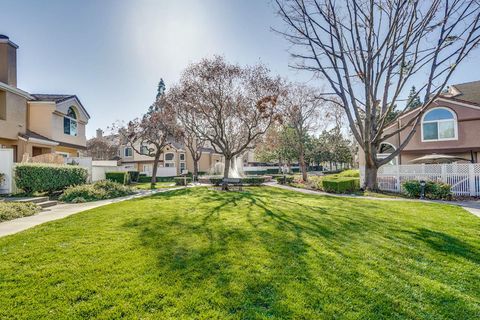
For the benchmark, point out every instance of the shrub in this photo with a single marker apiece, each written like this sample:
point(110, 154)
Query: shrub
point(48, 178)
point(336, 184)
point(273, 171)
point(119, 177)
point(350, 173)
point(98, 191)
point(284, 179)
point(144, 179)
point(2, 178)
point(180, 181)
point(433, 190)
point(255, 181)
point(13, 210)
point(134, 175)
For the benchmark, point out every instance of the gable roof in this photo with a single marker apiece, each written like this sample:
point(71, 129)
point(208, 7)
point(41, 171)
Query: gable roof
point(468, 91)
point(58, 98)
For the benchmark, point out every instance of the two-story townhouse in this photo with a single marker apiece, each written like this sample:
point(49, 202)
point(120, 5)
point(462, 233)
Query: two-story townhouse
point(35, 124)
point(450, 126)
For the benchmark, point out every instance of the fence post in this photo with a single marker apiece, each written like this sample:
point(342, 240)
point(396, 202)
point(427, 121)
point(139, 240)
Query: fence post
point(471, 179)
point(398, 185)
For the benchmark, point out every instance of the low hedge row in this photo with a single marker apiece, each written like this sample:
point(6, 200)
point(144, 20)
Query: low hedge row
point(144, 179)
point(98, 191)
point(13, 210)
point(49, 178)
point(284, 179)
point(336, 184)
point(254, 181)
point(180, 181)
point(433, 190)
point(121, 177)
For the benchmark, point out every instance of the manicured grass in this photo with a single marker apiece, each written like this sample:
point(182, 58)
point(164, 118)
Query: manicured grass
point(264, 253)
point(158, 185)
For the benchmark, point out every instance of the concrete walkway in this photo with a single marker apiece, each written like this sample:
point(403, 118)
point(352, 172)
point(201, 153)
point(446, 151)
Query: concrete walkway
point(64, 210)
point(472, 206)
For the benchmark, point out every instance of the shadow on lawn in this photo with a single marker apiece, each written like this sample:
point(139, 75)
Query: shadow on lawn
point(255, 254)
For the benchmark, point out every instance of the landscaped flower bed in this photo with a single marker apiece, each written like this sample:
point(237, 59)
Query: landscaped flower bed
point(13, 210)
point(98, 191)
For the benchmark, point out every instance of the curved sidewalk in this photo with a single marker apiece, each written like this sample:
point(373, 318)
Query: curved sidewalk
point(471, 206)
point(64, 210)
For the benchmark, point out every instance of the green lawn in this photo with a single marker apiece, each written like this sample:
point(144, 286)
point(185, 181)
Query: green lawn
point(158, 185)
point(264, 253)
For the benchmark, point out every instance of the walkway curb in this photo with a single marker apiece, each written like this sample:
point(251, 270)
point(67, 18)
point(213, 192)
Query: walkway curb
point(66, 209)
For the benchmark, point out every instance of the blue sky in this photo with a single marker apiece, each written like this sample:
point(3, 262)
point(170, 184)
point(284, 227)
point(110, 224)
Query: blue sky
point(112, 53)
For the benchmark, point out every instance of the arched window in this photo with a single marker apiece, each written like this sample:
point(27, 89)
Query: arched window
point(70, 122)
point(169, 160)
point(439, 124)
point(385, 150)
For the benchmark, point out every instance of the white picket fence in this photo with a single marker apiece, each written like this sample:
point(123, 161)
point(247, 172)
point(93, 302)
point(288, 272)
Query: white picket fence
point(464, 178)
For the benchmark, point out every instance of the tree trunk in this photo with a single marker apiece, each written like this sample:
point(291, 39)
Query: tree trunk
point(303, 166)
point(225, 172)
point(195, 169)
point(154, 170)
point(371, 170)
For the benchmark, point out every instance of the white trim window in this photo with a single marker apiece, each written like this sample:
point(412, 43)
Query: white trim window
point(385, 150)
point(70, 122)
point(128, 152)
point(182, 156)
point(169, 159)
point(439, 124)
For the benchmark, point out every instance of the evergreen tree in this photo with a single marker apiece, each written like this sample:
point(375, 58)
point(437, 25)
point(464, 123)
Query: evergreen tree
point(160, 89)
point(413, 100)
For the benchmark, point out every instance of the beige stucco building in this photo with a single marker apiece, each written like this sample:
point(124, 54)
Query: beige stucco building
point(36, 124)
point(450, 126)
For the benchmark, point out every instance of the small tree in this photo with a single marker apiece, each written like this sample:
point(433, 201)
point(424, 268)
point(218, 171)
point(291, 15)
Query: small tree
point(151, 133)
point(413, 100)
point(235, 105)
point(278, 145)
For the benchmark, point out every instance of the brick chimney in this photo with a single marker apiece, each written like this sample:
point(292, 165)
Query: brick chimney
point(8, 61)
point(99, 133)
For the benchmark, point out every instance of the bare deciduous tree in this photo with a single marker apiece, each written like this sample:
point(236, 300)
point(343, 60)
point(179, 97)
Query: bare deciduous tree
point(101, 149)
point(369, 51)
point(151, 133)
point(301, 111)
point(190, 121)
point(235, 105)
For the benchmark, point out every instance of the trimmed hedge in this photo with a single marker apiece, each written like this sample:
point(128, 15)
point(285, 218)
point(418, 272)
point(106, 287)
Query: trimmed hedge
point(13, 210)
point(121, 177)
point(134, 175)
point(350, 173)
point(284, 179)
point(33, 177)
point(337, 184)
point(98, 191)
point(144, 179)
point(433, 190)
point(254, 181)
point(180, 181)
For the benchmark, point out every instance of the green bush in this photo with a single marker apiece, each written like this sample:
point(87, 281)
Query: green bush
point(254, 181)
point(336, 184)
point(121, 177)
point(180, 181)
point(273, 171)
point(13, 210)
point(2, 178)
point(144, 179)
point(48, 178)
point(134, 175)
point(350, 173)
point(433, 190)
point(285, 179)
point(98, 191)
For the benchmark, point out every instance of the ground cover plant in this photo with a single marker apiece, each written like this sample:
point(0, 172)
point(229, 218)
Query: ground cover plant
point(262, 253)
point(100, 190)
point(13, 210)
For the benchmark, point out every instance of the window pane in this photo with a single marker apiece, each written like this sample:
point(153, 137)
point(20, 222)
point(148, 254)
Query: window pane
point(66, 125)
point(73, 127)
point(438, 114)
point(430, 131)
point(169, 157)
point(446, 129)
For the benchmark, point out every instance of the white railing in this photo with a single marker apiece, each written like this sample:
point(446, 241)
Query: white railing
point(464, 178)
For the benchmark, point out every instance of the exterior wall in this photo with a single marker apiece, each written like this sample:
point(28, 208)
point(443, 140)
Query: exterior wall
point(40, 117)
point(8, 63)
point(15, 121)
point(468, 123)
point(58, 134)
point(72, 152)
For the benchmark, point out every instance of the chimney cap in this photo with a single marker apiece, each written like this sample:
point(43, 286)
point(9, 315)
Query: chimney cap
point(6, 39)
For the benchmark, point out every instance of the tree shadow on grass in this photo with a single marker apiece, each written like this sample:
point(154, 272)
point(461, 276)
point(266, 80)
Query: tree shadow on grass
point(445, 243)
